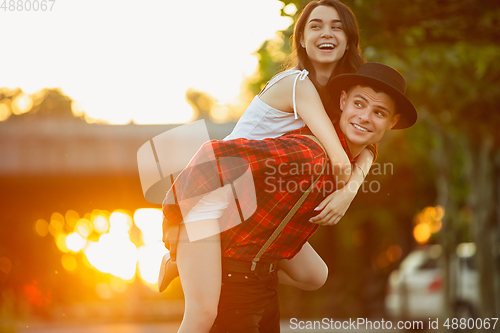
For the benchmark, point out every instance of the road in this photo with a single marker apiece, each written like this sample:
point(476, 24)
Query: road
point(148, 328)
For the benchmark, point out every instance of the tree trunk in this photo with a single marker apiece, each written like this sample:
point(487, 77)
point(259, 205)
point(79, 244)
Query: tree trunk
point(481, 201)
point(442, 157)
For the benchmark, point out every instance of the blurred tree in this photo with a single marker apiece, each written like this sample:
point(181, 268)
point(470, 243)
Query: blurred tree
point(275, 54)
point(201, 102)
point(7, 96)
point(17, 105)
point(446, 49)
point(51, 102)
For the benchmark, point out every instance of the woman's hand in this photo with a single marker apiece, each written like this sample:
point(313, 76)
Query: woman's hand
point(334, 207)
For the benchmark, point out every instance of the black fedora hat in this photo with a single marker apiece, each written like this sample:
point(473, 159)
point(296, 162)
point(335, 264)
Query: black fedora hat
point(386, 79)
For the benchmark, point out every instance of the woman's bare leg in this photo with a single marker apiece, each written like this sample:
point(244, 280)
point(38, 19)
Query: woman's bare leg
point(199, 264)
point(305, 271)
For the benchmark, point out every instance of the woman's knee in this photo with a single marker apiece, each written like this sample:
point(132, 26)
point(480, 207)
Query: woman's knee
point(316, 278)
point(208, 315)
point(204, 311)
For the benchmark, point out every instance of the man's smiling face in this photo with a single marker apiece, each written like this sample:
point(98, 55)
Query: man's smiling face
point(366, 115)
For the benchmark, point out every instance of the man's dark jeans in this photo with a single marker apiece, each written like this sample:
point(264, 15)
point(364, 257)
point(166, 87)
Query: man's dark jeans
point(248, 303)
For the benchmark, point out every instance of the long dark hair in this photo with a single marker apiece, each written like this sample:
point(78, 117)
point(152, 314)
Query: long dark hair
point(349, 63)
point(352, 58)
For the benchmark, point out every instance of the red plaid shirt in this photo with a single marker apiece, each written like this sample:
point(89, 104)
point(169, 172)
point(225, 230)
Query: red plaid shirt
point(298, 160)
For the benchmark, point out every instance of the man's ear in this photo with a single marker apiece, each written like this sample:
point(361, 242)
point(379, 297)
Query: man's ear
point(343, 100)
point(394, 120)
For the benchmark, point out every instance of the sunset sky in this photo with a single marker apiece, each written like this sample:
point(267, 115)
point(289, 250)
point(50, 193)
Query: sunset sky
point(123, 60)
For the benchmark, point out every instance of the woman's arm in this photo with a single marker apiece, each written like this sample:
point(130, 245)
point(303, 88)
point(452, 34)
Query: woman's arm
point(336, 204)
point(311, 110)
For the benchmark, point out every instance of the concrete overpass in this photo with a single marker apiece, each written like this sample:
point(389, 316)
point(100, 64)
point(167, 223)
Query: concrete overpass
point(69, 146)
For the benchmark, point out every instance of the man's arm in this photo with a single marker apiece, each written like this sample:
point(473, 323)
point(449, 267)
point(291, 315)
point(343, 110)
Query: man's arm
point(336, 204)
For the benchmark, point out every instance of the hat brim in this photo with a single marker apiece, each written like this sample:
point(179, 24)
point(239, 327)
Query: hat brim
point(403, 105)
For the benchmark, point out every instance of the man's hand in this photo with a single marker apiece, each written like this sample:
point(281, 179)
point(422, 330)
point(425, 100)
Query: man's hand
point(333, 207)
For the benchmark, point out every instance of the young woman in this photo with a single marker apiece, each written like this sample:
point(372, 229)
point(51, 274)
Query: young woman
point(326, 43)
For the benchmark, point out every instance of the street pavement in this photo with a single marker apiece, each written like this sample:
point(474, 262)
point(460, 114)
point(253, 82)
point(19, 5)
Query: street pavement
point(155, 327)
point(101, 328)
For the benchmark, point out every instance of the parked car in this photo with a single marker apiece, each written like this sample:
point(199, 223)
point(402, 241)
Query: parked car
point(416, 291)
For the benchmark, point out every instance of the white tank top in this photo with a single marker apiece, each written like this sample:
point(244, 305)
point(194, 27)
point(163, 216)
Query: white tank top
point(259, 121)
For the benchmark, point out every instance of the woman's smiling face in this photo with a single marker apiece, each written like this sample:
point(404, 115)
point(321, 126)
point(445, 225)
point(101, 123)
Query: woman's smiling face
point(324, 38)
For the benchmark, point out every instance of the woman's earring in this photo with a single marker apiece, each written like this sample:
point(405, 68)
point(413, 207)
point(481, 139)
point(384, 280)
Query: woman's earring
point(303, 46)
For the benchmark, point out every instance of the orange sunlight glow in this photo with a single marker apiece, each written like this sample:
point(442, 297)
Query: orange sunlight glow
point(36, 295)
point(105, 240)
point(41, 227)
point(61, 243)
point(101, 224)
point(21, 104)
point(427, 223)
point(149, 221)
point(4, 111)
point(115, 253)
point(71, 217)
point(75, 242)
point(68, 262)
point(56, 224)
point(422, 233)
point(84, 228)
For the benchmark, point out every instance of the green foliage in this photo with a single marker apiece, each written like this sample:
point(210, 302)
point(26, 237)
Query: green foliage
point(201, 103)
point(448, 51)
point(275, 55)
point(47, 102)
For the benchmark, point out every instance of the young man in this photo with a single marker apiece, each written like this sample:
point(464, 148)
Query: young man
point(244, 257)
